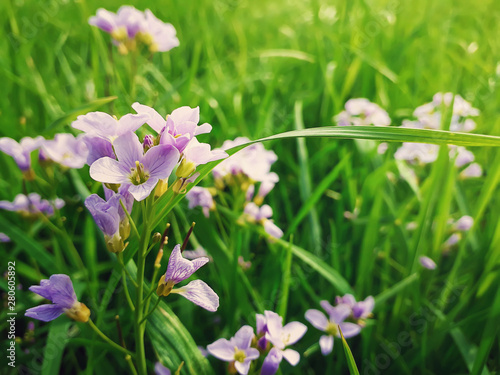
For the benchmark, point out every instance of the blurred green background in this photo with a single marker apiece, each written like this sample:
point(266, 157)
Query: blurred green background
point(258, 68)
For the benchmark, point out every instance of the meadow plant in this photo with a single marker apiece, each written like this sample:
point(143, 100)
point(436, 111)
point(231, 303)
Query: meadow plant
point(271, 246)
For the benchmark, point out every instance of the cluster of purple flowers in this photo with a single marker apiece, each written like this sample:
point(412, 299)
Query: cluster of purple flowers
point(249, 171)
point(118, 157)
point(361, 111)
point(428, 116)
point(32, 205)
point(272, 338)
point(347, 314)
point(129, 26)
point(65, 149)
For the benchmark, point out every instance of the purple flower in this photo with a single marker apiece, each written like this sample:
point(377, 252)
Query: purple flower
point(452, 240)
point(363, 309)
point(463, 156)
point(59, 290)
point(159, 35)
point(139, 171)
point(472, 171)
point(32, 204)
point(330, 324)
point(102, 125)
point(261, 326)
point(237, 349)
point(253, 162)
point(417, 152)
point(21, 151)
point(282, 336)
point(178, 128)
point(161, 370)
point(110, 219)
point(4, 237)
point(199, 196)
point(179, 269)
point(261, 215)
point(129, 25)
point(464, 223)
point(67, 150)
point(361, 111)
point(427, 262)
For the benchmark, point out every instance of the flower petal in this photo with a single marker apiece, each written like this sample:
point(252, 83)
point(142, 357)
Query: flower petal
point(222, 349)
point(109, 170)
point(200, 294)
point(349, 329)
point(317, 319)
point(294, 331)
point(243, 338)
point(160, 160)
point(155, 121)
point(142, 191)
point(292, 356)
point(178, 268)
point(272, 362)
point(45, 313)
point(128, 149)
point(242, 367)
point(326, 344)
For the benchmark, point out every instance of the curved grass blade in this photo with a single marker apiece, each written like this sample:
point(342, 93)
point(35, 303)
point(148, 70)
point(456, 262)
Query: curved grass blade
point(351, 363)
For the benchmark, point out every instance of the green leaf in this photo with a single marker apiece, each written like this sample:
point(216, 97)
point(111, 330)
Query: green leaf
point(54, 348)
point(173, 343)
point(353, 369)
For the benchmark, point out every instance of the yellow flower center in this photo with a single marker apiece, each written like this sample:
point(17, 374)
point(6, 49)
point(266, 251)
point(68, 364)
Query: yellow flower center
point(239, 355)
point(138, 175)
point(331, 329)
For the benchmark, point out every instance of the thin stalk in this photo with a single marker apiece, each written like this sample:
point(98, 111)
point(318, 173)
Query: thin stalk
point(131, 221)
point(152, 310)
point(108, 340)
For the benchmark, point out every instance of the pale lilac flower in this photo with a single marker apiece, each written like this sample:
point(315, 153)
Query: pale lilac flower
point(347, 299)
point(253, 161)
point(264, 189)
point(179, 269)
point(417, 152)
point(249, 193)
point(126, 23)
point(129, 25)
point(452, 240)
point(330, 324)
point(178, 128)
point(462, 155)
point(199, 196)
point(32, 204)
point(472, 171)
point(59, 290)
point(67, 150)
point(382, 148)
point(203, 351)
point(159, 35)
point(21, 151)
point(102, 125)
point(261, 215)
point(361, 111)
point(161, 370)
point(464, 223)
point(427, 262)
point(237, 349)
point(111, 220)
point(140, 171)
point(4, 237)
point(282, 336)
point(363, 309)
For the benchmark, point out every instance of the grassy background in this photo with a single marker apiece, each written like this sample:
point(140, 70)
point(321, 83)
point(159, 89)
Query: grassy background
point(257, 68)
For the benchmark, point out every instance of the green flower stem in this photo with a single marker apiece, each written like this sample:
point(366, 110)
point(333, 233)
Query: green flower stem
point(152, 310)
point(139, 307)
point(108, 340)
point(131, 221)
point(120, 260)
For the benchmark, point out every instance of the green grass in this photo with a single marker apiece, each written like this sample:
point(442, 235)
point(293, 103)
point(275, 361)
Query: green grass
point(257, 68)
